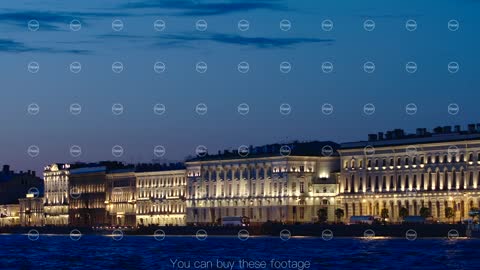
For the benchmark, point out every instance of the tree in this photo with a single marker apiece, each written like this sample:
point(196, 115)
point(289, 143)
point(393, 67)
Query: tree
point(425, 212)
point(322, 214)
point(384, 214)
point(449, 212)
point(339, 213)
point(403, 212)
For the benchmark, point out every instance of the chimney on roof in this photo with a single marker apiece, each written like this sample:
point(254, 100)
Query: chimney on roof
point(380, 136)
point(456, 128)
point(471, 128)
point(447, 129)
point(372, 137)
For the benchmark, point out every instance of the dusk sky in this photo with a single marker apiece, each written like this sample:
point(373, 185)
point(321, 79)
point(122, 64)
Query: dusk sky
point(222, 46)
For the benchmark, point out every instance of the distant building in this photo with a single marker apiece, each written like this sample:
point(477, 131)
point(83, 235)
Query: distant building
point(9, 215)
point(31, 210)
point(121, 197)
point(15, 185)
point(284, 183)
point(56, 182)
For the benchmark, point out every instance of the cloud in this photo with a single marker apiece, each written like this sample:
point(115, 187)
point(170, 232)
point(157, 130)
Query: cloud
point(12, 46)
point(203, 8)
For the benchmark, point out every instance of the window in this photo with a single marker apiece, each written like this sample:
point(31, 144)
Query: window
point(302, 168)
point(238, 189)
point(254, 192)
point(302, 187)
point(302, 212)
point(262, 188)
point(294, 187)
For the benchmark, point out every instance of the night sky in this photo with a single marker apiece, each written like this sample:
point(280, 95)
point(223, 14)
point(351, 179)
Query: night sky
point(222, 46)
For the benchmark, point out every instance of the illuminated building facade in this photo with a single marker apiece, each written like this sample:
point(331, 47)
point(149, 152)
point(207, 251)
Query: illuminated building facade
point(433, 170)
point(161, 198)
point(9, 215)
point(120, 197)
point(270, 183)
point(31, 211)
point(55, 177)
